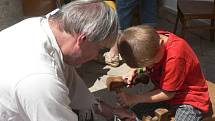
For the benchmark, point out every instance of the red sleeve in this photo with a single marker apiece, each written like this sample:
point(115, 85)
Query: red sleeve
point(173, 75)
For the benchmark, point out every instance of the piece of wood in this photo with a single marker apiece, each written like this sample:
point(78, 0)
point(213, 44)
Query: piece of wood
point(162, 114)
point(146, 118)
point(115, 83)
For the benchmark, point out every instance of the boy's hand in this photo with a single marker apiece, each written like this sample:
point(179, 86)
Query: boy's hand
point(129, 78)
point(126, 100)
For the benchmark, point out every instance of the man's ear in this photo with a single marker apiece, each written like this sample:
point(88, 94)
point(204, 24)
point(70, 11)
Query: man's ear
point(81, 38)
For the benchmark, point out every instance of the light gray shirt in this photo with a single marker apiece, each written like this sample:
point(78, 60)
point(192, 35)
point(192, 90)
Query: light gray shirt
point(35, 83)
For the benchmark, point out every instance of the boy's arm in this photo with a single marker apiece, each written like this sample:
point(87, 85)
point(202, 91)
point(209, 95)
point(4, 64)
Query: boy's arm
point(153, 96)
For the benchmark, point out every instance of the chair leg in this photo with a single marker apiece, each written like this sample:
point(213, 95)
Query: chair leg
point(183, 24)
point(176, 23)
point(212, 31)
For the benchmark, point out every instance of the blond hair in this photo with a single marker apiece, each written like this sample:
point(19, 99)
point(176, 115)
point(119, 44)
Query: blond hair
point(138, 44)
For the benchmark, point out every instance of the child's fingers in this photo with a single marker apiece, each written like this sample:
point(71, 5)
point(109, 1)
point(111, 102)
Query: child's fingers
point(125, 77)
point(127, 80)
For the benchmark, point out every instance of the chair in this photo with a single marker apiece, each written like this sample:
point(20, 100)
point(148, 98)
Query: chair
point(188, 10)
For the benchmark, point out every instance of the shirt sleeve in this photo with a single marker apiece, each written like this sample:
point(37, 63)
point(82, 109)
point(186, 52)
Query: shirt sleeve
point(42, 97)
point(173, 74)
point(80, 96)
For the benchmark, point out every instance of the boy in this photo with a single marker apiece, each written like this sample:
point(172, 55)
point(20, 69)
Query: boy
point(173, 68)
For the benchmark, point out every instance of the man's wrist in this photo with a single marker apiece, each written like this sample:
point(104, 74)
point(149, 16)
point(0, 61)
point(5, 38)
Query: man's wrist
point(114, 111)
point(97, 106)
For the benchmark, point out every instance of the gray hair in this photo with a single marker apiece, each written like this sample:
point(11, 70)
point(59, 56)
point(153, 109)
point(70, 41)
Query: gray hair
point(94, 18)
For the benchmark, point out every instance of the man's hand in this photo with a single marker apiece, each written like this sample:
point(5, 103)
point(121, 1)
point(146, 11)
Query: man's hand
point(108, 112)
point(124, 114)
point(85, 115)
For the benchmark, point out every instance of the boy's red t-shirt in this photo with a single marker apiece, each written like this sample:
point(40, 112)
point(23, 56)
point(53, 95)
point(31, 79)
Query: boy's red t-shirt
point(180, 71)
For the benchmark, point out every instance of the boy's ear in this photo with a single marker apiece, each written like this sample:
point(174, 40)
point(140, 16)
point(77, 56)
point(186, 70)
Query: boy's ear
point(81, 38)
point(161, 41)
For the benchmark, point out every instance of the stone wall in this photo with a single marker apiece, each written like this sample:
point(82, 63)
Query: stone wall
point(10, 12)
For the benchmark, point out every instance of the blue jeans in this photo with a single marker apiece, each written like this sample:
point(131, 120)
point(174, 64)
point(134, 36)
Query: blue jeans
point(147, 12)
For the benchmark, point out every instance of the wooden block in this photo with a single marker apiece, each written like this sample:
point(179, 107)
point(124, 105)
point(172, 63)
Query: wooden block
point(162, 114)
point(146, 118)
point(115, 83)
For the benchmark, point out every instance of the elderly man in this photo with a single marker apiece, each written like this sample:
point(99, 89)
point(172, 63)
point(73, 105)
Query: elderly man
point(38, 81)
